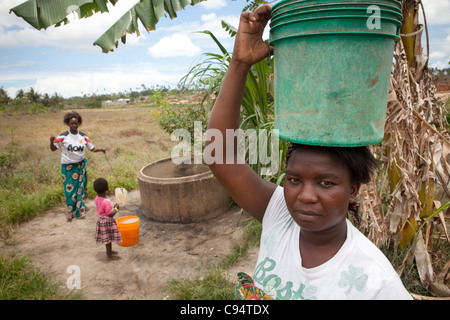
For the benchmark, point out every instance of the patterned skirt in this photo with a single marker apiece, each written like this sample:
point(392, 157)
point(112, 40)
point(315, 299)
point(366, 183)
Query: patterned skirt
point(246, 290)
point(107, 231)
point(75, 188)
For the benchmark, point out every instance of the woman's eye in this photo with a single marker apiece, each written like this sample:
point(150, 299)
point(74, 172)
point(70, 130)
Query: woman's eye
point(326, 183)
point(294, 180)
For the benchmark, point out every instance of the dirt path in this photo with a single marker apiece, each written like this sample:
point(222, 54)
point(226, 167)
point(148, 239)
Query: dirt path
point(165, 251)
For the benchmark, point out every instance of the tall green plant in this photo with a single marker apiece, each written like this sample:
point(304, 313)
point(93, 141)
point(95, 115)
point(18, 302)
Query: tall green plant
point(257, 103)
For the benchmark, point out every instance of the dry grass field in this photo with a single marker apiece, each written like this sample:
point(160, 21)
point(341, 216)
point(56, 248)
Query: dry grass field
point(132, 138)
point(131, 135)
point(30, 180)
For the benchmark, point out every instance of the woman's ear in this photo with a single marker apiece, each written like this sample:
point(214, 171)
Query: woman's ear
point(354, 189)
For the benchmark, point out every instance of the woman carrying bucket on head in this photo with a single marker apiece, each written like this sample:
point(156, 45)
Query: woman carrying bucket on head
point(309, 249)
point(107, 231)
point(73, 163)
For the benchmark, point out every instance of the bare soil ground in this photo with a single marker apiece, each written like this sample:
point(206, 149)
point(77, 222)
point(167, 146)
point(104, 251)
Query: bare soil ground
point(165, 251)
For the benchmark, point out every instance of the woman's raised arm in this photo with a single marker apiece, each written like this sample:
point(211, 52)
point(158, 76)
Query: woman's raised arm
point(250, 191)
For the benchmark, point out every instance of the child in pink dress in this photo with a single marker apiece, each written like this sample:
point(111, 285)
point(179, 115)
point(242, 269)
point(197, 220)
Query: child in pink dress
point(107, 231)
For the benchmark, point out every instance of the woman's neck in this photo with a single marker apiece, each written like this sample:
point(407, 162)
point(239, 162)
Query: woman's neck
point(317, 248)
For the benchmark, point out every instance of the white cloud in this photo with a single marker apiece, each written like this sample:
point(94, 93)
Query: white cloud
point(437, 14)
point(213, 23)
point(213, 4)
point(437, 11)
point(437, 55)
point(78, 34)
point(10, 19)
point(72, 83)
point(440, 51)
point(12, 91)
point(176, 45)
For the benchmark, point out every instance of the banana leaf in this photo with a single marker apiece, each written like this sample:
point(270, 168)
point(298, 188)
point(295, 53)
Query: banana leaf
point(146, 11)
point(229, 28)
point(42, 14)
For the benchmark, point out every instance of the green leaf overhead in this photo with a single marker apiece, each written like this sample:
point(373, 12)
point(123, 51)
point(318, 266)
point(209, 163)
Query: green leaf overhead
point(146, 11)
point(44, 13)
point(229, 28)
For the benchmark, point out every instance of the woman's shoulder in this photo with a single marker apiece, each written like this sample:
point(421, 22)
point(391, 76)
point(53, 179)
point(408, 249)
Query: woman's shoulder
point(276, 212)
point(367, 251)
point(84, 137)
point(61, 137)
point(276, 200)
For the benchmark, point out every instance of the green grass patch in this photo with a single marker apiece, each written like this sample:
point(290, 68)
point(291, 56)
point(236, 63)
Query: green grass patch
point(19, 280)
point(214, 283)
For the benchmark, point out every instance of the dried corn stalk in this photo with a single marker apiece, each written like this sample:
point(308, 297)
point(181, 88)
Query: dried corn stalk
point(414, 155)
point(373, 217)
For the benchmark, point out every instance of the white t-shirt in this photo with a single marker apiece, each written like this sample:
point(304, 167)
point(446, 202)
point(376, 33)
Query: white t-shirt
point(358, 271)
point(73, 146)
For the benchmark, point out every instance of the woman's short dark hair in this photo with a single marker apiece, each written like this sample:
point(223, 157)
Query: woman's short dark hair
point(100, 185)
point(359, 160)
point(70, 115)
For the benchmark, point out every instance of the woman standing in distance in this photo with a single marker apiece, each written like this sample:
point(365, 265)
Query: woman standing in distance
point(73, 163)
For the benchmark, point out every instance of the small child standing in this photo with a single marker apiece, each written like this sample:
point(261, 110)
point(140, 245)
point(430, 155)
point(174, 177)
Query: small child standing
point(107, 231)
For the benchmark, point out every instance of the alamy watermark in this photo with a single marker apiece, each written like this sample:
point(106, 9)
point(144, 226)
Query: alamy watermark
point(74, 280)
point(257, 146)
point(374, 21)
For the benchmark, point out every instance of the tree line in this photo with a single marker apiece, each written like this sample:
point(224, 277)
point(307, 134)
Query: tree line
point(32, 101)
point(440, 74)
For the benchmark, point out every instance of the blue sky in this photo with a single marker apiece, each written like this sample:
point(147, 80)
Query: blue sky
point(64, 60)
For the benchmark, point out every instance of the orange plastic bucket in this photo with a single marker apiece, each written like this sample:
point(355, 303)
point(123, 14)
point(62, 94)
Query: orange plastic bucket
point(129, 230)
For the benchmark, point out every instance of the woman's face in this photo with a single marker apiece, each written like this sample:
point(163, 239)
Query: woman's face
point(73, 125)
point(317, 190)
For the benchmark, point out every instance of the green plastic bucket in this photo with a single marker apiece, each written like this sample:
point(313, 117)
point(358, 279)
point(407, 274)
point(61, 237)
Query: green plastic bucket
point(287, 5)
point(330, 6)
point(335, 13)
point(331, 77)
point(335, 6)
point(328, 25)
